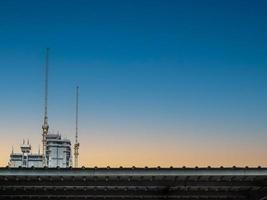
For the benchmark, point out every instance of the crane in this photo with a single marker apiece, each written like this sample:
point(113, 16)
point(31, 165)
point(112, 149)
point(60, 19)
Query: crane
point(76, 145)
point(45, 125)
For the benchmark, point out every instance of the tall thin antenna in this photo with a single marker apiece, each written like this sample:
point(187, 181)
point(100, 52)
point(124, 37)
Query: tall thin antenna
point(76, 145)
point(45, 126)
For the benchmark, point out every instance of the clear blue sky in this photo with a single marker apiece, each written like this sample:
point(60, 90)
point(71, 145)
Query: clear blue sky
point(151, 73)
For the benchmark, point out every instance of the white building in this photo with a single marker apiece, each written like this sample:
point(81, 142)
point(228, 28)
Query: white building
point(25, 158)
point(58, 151)
point(58, 154)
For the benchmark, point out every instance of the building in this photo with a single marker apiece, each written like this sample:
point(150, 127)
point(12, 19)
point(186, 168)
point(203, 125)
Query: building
point(26, 158)
point(58, 151)
point(58, 154)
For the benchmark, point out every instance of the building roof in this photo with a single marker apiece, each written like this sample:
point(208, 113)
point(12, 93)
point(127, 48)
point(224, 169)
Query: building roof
point(134, 183)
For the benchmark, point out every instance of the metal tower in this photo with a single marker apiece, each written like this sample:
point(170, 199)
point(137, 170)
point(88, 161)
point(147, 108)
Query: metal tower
point(45, 126)
point(76, 145)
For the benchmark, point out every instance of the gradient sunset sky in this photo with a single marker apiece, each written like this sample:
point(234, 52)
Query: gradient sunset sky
point(162, 82)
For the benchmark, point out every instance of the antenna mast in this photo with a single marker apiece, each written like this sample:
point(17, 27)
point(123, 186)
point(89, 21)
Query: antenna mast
point(76, 145)
point(45, 126)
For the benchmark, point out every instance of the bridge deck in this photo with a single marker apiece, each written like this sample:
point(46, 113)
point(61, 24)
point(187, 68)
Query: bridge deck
point(134, 183)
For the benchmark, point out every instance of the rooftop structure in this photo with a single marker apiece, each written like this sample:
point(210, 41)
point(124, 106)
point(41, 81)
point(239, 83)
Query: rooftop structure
point(58, 151)
point(26, 158)
point(58, 154)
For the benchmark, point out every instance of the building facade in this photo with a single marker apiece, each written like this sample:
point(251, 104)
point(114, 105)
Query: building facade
point(58, 151)
point(26, 158)
point(58, 154)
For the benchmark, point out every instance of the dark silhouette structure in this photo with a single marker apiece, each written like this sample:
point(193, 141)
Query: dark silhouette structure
point(134, 183)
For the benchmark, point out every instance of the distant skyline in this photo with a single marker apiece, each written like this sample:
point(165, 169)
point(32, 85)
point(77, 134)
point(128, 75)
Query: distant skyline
point(167, 83)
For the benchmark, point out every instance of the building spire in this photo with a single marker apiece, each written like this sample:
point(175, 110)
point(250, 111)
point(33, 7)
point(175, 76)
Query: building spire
point(76, 145)
point(45, 126)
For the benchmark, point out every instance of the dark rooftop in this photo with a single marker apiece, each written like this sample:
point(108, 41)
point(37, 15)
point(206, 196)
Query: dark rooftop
point(134, 183)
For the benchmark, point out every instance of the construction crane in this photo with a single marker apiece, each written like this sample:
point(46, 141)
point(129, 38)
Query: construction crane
point(76, 145)
point(45, 126)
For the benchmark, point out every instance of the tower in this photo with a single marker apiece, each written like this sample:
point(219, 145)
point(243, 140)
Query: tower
point(45, 125)
point(56, 151)
point(76, 145)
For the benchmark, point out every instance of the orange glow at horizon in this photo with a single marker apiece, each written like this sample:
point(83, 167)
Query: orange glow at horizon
point(117, 150)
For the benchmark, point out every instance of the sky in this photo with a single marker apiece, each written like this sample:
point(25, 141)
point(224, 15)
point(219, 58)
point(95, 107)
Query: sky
point(162, 83)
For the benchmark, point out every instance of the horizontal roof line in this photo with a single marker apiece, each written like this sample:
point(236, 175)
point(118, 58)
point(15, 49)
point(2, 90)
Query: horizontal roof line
point(133, 172)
